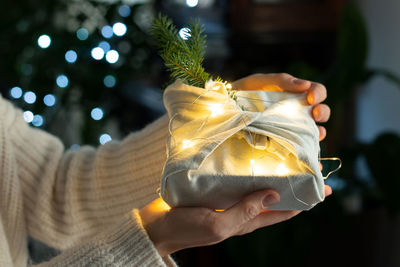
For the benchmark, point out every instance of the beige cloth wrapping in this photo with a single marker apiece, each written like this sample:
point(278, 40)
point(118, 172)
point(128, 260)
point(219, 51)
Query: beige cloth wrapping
point(220, 149)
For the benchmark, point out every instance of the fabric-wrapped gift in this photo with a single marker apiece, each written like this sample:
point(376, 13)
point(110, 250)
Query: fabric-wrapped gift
point(222, 148)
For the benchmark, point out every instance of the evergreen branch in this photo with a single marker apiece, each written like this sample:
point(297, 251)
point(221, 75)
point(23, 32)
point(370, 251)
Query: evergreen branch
point(183, 58)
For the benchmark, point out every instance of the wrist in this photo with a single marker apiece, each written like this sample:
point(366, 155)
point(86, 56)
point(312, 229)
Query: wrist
point(154, 230)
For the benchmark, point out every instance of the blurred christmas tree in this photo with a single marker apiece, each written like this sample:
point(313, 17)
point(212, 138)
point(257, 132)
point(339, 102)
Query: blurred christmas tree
point(63, 61)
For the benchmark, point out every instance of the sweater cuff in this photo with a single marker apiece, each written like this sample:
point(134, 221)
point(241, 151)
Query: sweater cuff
point(130, 245)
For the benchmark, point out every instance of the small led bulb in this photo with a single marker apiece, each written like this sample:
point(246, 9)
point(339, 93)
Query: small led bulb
point(290, 109)
point(216, 109)
point(187, 144)
point(229, 86)
point(282, 169)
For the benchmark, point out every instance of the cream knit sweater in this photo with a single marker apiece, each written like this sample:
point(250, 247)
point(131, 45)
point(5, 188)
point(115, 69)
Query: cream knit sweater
point(83, 202)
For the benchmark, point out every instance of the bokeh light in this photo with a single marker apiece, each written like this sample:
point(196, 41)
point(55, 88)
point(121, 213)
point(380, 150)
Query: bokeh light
point(74, 147)
point(104, 138)
point(62, 81)
point(184, 33)
point(44, 41)
point(30, 97)
point(112, 56)
point(82, 34)
point(110, 81)
point(28, 116)
point(107, 31)
point(119, 29)
point(49, 100)
point(16, 92)
point(37, 120)
point(97, 114)
point(71, 56)
point(97, 53)
point(124, 11)
point(105, 46)
point(192, 3)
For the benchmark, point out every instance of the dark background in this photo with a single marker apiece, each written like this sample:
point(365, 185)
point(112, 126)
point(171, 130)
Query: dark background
point(350, 46)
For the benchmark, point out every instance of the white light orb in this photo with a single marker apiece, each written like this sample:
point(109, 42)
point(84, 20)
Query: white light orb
point(97, 114)
point(49, 100)
point(62, 81)
point(104, 138)
point(28, 116)
point(30, 97)
point(97, 53)
point(16, 92)
point(71, 56)
point(112, 56)
point(192, 3)
point(184, 33)
point(44, 41)
point(119, 29)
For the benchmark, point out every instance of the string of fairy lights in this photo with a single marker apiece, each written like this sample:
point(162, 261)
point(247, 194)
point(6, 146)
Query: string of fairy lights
point(102, 51)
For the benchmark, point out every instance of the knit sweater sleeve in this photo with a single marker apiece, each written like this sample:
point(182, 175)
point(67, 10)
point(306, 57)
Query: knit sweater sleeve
point(88, 196)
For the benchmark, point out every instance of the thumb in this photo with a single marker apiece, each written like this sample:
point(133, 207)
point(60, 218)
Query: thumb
point(250, 207)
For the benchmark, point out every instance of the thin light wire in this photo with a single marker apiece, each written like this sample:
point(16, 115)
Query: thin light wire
point(335, 170)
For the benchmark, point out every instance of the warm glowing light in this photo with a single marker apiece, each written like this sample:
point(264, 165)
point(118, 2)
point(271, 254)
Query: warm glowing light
point(282, 169)
point(216, 109)
point(187, 144)
point(256, 169)
point(229, 86)
point(290, 109)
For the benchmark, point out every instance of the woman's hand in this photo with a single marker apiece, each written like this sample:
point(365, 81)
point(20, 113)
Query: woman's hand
point(316, 92)
point(179, 228)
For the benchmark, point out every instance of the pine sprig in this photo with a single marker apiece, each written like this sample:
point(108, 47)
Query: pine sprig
point(183, 58)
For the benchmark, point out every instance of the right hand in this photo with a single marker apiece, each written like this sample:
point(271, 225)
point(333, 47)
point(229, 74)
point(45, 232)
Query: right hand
point(178, 228)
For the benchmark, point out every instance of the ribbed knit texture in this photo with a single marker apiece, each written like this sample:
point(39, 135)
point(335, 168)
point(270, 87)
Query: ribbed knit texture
point(82, 202)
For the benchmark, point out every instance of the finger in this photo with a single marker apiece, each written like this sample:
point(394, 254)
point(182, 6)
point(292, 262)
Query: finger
point(322, 133)
point(328, 190)
point(321, 113)
point(272, 82)
point(316, 94)
point(249, 208)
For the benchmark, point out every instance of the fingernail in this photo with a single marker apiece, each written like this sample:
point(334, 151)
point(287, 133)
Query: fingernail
point(298, 81)
point(269, 200)
point(316, 114)
point(310, 99)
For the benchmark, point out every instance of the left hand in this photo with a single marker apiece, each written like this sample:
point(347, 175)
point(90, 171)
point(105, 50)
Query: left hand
point(316, 92)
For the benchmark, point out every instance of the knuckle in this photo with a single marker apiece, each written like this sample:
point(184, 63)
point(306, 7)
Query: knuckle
point(251, 211)
point(284, 75)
